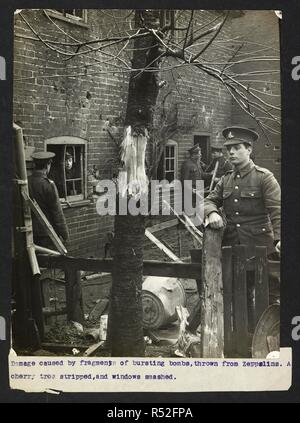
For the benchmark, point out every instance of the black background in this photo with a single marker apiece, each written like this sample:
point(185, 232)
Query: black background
point(290, 47)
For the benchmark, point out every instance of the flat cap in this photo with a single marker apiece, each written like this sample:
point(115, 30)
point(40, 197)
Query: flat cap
point(195, 149)
point(239, 135)
point(43, 155)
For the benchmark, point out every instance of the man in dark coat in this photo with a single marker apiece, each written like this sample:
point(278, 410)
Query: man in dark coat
point(44, 191)
point(193, 170)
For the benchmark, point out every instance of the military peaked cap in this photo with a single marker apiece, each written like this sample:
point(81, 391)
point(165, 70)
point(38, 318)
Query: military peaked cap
point(239, 135)
point(44, 155)
point(195, 149)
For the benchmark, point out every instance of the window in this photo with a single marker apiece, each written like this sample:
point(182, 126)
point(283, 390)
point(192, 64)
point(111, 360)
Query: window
point(167, 168)
point(69, 167)
point(77, 16)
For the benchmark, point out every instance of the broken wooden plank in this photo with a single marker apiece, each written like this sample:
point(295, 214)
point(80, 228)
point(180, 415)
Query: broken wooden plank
point(214, 176)
point(93, 349)
point(151, 268)
point(43, 250)
point(162, 226)
point(45, 224)
point(162, 247)
point(194, 228)
point(212, 321)
point(190, 228)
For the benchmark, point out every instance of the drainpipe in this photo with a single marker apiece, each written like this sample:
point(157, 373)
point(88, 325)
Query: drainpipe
point(23, 182)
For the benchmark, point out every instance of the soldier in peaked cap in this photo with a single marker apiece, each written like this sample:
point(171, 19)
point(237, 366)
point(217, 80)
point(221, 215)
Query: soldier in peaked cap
point(249, 196)
point(193, 169)
point(44, 191)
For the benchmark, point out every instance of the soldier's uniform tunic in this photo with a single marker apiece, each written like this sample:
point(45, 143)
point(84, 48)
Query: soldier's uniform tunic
point(250, 199)
point(44, 191)
point(193, 171)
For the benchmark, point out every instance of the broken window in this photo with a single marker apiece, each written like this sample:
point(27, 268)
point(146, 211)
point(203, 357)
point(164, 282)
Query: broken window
point(167, 168)
point(68, 169)
point(75, 15)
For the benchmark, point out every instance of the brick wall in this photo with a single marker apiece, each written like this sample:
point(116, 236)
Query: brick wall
point(83, 101)
point(262, 28)
point(204, 105)
point(75, 105)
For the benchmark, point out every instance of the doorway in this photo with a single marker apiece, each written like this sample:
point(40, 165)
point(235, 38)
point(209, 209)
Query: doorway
point(204, 143)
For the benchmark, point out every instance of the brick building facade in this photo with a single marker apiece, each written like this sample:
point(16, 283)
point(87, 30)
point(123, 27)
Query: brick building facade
point(61, 103)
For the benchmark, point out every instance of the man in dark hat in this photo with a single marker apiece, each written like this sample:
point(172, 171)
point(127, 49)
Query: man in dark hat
point(70, 173)
point(250, 199)
point(44, 191)
point(224, 165)
point(193, 170)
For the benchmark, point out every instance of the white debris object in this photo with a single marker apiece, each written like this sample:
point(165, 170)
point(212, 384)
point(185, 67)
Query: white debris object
point(133, 156)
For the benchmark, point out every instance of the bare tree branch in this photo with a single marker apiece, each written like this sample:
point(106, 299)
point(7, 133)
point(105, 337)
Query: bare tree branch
point(218, 29)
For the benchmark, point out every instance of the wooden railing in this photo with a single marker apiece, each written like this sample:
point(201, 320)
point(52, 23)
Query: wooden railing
point(223, 313)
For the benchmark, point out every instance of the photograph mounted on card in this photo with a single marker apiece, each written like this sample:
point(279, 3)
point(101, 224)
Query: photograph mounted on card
point(147, 200)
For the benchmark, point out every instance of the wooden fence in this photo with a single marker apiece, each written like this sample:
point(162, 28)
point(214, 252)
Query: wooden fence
point(238, 273)
point(224, 307)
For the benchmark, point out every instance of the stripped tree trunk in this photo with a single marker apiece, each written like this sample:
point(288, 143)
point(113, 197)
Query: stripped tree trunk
point(126, 331)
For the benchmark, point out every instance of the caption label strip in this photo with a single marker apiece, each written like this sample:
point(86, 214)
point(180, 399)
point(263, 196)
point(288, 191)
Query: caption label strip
point(68, 374)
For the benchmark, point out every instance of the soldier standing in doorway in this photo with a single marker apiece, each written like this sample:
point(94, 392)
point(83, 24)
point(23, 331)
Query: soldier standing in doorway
point(193, 170)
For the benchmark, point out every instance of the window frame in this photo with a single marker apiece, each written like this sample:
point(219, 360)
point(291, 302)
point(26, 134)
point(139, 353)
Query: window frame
point(69, 141)
point(73, 19)
point(170, 143)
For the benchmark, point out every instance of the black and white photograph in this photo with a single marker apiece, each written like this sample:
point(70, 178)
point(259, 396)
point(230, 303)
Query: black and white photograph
point(146, 184)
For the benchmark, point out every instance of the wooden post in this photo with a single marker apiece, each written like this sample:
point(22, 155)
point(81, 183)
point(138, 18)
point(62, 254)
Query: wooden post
point(240, 300)
point(212, 320)
point(261, 282)
point(27, 331)
point(74, 295)
point(195, 317)
point(228, 301)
